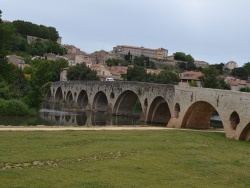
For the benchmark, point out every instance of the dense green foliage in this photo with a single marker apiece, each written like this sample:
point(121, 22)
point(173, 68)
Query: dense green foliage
point(242, 72)
point(30, 29)
point(15, 107)
point(139, 73)
point(6, 36)
point(165, 77)
point(42, 73)
point(117, 62)
point(102, 159)
point(13, 84)
point(186, 61)
point(13, 39)
point(136, 73)
point(212, 79)
point(40, 47)
point(245, 89)
point(143, 62)
point(81, 72)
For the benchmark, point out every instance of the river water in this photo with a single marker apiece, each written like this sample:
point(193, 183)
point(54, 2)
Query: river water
point(61, 118)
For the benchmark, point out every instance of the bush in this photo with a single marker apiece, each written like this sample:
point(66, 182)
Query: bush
point(15, 108)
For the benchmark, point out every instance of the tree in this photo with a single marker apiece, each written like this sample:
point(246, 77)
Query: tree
point(166, 77)
point(42, 73)
point(55, 68)
point(128, 57)
point(240, 73)
point(13, 82)
point(6, 34)
point(211, 79)
point(27, 28)
point(143, 62)
point(245, 89)
point(81, 72)
point(137, 73)
point(187, 61)
point(180, 56)
point(193, 84)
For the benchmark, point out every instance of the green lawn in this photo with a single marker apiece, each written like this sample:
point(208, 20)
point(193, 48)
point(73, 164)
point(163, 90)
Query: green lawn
point(166, 158)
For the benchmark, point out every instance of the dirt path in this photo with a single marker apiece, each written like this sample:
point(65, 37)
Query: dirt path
point(57, 128)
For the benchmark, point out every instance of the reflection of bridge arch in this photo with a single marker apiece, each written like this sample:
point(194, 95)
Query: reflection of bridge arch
point(198, 115)
point(82, 100)
point(81, 119)
point(159, 111)
point(125, 103)
point(100, 102)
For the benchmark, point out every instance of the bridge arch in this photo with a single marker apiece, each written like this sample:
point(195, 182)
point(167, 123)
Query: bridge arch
point(159, 111)
point(245, 134)
point(198, 115)
point(125, 103)
point(69, 99)
point(100, 102)
point(59, 95)
point(48, 95)
point(234, 120)
point(82, 100)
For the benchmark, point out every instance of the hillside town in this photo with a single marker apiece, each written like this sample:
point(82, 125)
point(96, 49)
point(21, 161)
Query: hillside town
point(97, 61)
point(188, 69)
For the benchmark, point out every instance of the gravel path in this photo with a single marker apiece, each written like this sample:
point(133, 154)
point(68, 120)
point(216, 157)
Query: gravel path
point(57, 128)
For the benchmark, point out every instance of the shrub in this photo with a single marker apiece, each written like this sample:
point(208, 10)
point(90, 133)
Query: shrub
point(15, 107)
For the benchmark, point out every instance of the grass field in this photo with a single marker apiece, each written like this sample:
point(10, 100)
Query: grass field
point(85, 159)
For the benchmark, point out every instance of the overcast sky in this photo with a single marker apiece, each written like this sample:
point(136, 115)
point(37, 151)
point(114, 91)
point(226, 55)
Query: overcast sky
point(211, 30)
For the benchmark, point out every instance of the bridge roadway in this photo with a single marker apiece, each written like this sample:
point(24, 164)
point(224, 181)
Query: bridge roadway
point(175, 106)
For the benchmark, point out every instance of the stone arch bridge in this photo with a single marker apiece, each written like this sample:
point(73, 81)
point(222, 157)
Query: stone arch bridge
point(175, 106)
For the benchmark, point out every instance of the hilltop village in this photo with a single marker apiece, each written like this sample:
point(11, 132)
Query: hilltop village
point(122, 62)
point(99, 61)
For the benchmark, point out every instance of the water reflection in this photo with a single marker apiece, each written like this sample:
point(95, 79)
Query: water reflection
point(62, 118)
point(54, 117)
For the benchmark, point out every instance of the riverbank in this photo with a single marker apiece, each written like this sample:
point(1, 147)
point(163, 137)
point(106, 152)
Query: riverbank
point(63, 128)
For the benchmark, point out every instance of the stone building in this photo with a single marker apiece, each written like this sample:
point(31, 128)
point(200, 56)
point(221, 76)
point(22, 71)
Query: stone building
point(18, 61)
point(237, 84)
point(190, 76)
point(231, 65)
point(202, 64)
point(123, 50)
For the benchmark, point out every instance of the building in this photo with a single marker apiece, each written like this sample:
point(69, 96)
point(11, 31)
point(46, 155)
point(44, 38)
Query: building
point(118, 71)
point(63, 74)
point(18, 61)
point(190, 76)
point(237, 84)
point(202, 64)
point(101, 70)
point(31, 39)
point(154, 71)
point(71, 49)
point(231, 65)
point(123, 50)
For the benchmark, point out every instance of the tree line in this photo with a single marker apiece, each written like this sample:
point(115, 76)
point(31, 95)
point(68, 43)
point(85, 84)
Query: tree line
point(25, 28)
